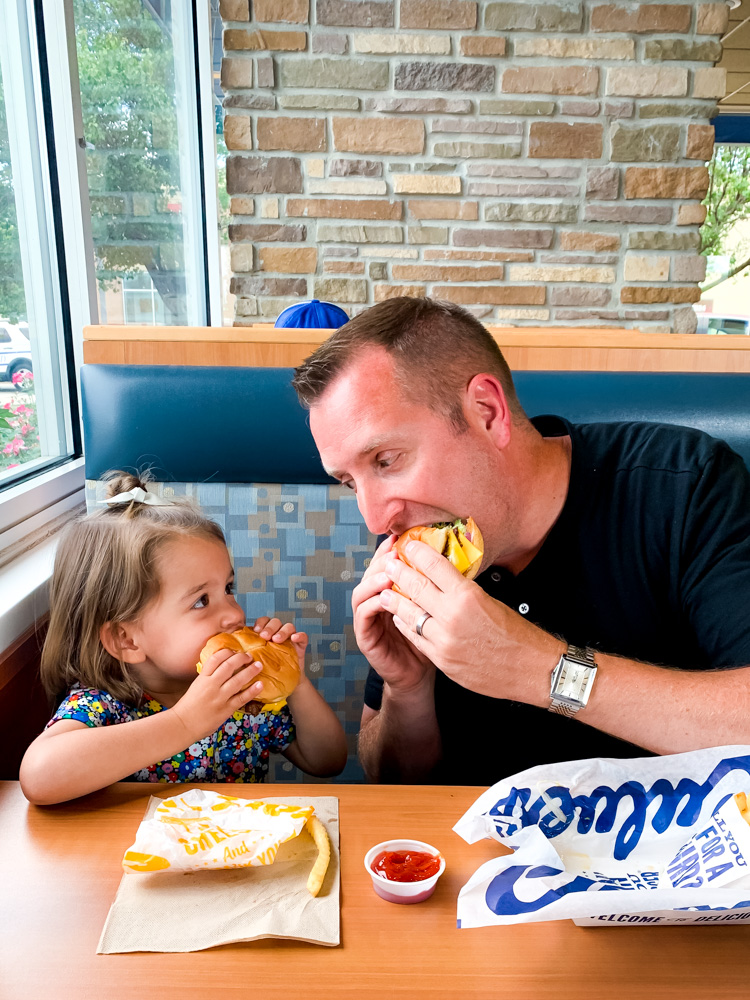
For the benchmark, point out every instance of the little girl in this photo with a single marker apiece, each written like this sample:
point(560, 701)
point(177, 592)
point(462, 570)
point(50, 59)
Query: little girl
point(138, 589)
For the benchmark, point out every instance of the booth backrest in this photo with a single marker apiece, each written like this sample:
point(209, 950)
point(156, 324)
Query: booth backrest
point(237, 440)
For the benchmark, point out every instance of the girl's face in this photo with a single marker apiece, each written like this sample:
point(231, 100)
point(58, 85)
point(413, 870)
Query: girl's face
point(195, 601)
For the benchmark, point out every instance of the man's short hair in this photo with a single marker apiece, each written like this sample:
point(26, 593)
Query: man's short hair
point(437, 348)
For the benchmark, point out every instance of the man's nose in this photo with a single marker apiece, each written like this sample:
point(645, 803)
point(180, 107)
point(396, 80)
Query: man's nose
point(377, 510)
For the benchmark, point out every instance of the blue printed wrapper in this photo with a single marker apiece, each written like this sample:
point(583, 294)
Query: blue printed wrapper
point(595, 840)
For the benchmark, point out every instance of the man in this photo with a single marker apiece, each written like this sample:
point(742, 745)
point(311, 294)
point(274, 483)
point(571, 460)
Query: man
point(615, 583)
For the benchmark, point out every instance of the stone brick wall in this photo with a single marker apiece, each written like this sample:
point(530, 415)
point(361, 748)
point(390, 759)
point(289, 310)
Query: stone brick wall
point(540, 163)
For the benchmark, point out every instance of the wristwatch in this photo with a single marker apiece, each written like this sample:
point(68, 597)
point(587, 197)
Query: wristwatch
point(572, 681)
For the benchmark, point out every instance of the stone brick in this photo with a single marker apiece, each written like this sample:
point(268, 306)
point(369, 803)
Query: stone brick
point(319, 102)
point(242, 206)
point(710, 82)
point(603, 183)
point(267, 233)
point(436, 272)
point(250, 102)
point(262, 39)
point(332, 208)
point(578, 80)
point(498, 295)
point(683, 49)
point(522, 190)
point(359, 234)
point(666, 182)
point(355, 13)
point(315, 167)
point(340, 251)
point(341, 289)
point(580, 109)
point(344, 267)
point(570, 295)
point(578, 258)
point(639, 268)
point(269, 208)
point(482, 45)
point(444, 76)
point(476, 255)
point(236, 10)
point(530, 212)
point(711, 18)
point(575, 240)
point(553, 272)
point(291, 134)
point(426, 184)
point(402, 253)
point(681, 110)
point(641, 18)
point(378, 135)
point(659, 239)
point(430, 235)
point(647, 81)
point(657, 215)
point(350, 186)
point(646, 314)
point(692, 214)
point(520, 170)
point(540, 314)
point(390, 291)
point(443, 14)
point(295, 11)
point(475, 150)
point(418, 105)
point(356, 168)
point(236, 73)
point(378, 271)
point(260, 175)
point(400, 43)
point(644, 143)
point(576, 48)
point(238, 132)
point(241, 257)
point(338, 74)
point(618, 109)
point(476, 125)
point(466, 211)
point(700, 142)
point(518, 108)
point(268, 286)
point(271, 306)
point(530, 238)
point(685, 320)
point(264, 72)
point(688, 268)
point(587, 314)
point(288, 260)
point(641, 294)
point(563, 141)
point(526, 16)
point(335, 45)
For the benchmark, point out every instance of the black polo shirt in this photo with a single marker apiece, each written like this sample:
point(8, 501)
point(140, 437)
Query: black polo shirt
point(649, 559)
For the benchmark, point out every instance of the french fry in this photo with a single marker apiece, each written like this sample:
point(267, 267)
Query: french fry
point(318, 833)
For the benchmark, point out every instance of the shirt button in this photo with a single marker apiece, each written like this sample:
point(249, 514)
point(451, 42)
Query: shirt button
point(523, 608)
point(495, 577)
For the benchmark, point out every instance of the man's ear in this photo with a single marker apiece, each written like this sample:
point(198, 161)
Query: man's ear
point(118, 640)
point(487, 407)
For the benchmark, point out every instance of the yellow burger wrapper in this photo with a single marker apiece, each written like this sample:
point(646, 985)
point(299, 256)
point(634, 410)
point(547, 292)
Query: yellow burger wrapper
point(197, 830)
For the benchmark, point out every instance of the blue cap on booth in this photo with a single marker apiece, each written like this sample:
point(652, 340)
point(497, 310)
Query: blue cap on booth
point(313, 315)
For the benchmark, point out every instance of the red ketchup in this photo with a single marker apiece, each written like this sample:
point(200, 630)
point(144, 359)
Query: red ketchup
point(406, 866)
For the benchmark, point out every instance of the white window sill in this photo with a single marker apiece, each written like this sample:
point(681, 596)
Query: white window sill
point(24, 594)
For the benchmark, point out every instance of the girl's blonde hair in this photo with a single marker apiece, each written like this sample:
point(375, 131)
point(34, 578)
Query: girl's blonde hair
point(105, 571)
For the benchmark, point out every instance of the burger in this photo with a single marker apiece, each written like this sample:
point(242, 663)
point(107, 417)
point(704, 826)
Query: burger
point(280, 673)
point(460, 541)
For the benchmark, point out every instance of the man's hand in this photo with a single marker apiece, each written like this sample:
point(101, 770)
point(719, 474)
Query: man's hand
point(402, 666)
point(475, 640)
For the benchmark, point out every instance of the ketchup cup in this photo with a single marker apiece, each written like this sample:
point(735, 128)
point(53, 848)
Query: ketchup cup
point(403, 892)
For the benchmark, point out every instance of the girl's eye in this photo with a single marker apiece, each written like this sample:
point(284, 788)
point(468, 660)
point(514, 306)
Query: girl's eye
point(231, 588)
point(202, 601)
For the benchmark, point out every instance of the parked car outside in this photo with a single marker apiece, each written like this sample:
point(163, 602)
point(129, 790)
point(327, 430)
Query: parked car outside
point(15, 352)
point(715, 324)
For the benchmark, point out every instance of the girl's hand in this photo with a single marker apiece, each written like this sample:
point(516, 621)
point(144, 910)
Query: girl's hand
point(222, 688)
point(272, 630)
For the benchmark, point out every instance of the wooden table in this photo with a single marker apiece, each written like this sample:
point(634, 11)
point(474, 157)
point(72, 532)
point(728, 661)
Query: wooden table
point(60, 868)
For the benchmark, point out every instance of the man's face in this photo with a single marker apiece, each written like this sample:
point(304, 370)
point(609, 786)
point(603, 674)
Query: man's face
point(405, 462)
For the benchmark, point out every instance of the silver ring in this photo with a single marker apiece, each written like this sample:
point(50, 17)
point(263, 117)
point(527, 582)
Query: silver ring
point(420, 622)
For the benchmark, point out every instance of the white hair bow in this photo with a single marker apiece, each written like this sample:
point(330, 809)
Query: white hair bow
point(140, 496)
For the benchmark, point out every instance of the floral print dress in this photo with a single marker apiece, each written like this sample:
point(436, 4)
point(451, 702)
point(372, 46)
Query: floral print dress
point(237, 751)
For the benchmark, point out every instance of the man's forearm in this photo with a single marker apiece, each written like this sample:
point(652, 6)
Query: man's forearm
point(401, 742)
